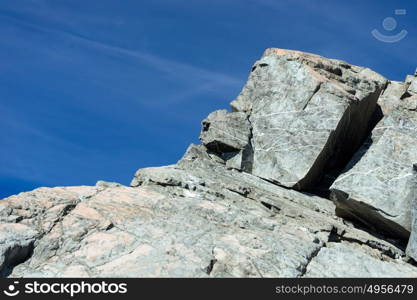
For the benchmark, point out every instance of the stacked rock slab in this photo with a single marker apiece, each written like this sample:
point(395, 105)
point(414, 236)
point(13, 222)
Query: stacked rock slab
point(306, 114)
point(391, 96)
point(228, 135)
point(193, 219)
point(378, 187)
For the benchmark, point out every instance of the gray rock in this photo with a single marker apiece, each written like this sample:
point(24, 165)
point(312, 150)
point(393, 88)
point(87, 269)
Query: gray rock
point(197, 171)
point(412, 242)
point(380, 173)
point(193, 219)
point(16, 245)
point(307, 113)
point(340, 260)
point(227, 136)
point(391, 96)
point(168, 231)
point(178, 224)
point(225, 132)
point(413, 86)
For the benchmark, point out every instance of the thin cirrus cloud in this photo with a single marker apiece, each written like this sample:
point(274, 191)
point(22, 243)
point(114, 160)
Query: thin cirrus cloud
point(198, 79)
point(70, 102)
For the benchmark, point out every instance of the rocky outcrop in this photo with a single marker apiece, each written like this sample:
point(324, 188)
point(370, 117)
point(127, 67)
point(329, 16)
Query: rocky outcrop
point(245, 203)
point(308, 114)
point(378, 186)
point(194, 219)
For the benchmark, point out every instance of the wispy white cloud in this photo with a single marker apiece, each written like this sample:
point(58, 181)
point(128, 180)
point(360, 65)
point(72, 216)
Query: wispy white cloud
point(195, 78)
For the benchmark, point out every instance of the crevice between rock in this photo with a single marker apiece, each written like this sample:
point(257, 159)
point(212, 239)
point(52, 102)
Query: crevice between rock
point(303, 267)
point(247, 152)
point(210, 267)
point(14, 256)
point(341, 146)
point(335, 237)
point(360, 212)
point(317, 89)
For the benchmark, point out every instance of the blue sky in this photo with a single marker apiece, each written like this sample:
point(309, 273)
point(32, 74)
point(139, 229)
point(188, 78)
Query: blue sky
point(94, 90)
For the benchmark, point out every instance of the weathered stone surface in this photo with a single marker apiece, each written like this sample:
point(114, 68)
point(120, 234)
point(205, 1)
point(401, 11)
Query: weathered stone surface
point(413, 85)
point(340, 260)
point(382, 172)
point(176, 224)
point(42, 209)
point(225, 132)
point(16, 245)
point(227, 135)
point(149, 232)
point(307, 114)
point(391, 96)
point(202, 173)
point(194, 219)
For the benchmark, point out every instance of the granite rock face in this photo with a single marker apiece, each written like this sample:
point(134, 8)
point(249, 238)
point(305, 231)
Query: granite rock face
point(378, 186)
point(244, 202)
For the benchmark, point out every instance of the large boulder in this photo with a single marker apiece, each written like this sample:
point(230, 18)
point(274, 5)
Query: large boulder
point(377, 186)
point(307, 114)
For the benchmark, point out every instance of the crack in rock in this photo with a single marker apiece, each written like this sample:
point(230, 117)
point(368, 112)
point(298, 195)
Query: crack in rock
point(210, 267)
point(303, 267)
